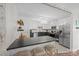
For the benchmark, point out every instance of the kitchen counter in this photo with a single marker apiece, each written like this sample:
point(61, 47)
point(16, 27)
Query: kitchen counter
point(42, 32)
point(32, 41)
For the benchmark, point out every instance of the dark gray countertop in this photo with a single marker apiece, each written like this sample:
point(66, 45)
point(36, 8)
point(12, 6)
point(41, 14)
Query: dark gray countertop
point(33, 41)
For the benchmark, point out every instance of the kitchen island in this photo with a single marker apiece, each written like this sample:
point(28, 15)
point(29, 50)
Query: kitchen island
point(32, 41)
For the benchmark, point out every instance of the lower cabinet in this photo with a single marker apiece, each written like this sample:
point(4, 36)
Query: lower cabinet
point(65, 40)
point(42, 33)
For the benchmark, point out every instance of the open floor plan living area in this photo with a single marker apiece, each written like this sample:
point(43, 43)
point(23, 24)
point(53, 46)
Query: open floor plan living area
point(39, 29)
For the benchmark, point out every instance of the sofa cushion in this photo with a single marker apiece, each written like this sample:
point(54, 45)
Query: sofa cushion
point(38, 51)
point(50, 50)
point(24, 53)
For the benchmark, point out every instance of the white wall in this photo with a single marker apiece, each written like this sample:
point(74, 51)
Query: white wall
point(75, 33)
point(2, 28)
point(10, 24)
point(11, 28)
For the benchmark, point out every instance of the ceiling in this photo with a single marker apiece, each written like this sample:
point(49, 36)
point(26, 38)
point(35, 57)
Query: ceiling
point(42, 11)
point(71, 7)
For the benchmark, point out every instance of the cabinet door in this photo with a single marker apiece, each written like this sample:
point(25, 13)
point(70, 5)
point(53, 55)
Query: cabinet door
point(66, 40)
point(61, 38)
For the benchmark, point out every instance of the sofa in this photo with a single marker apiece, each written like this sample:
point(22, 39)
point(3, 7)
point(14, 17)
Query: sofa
point(48, 50)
